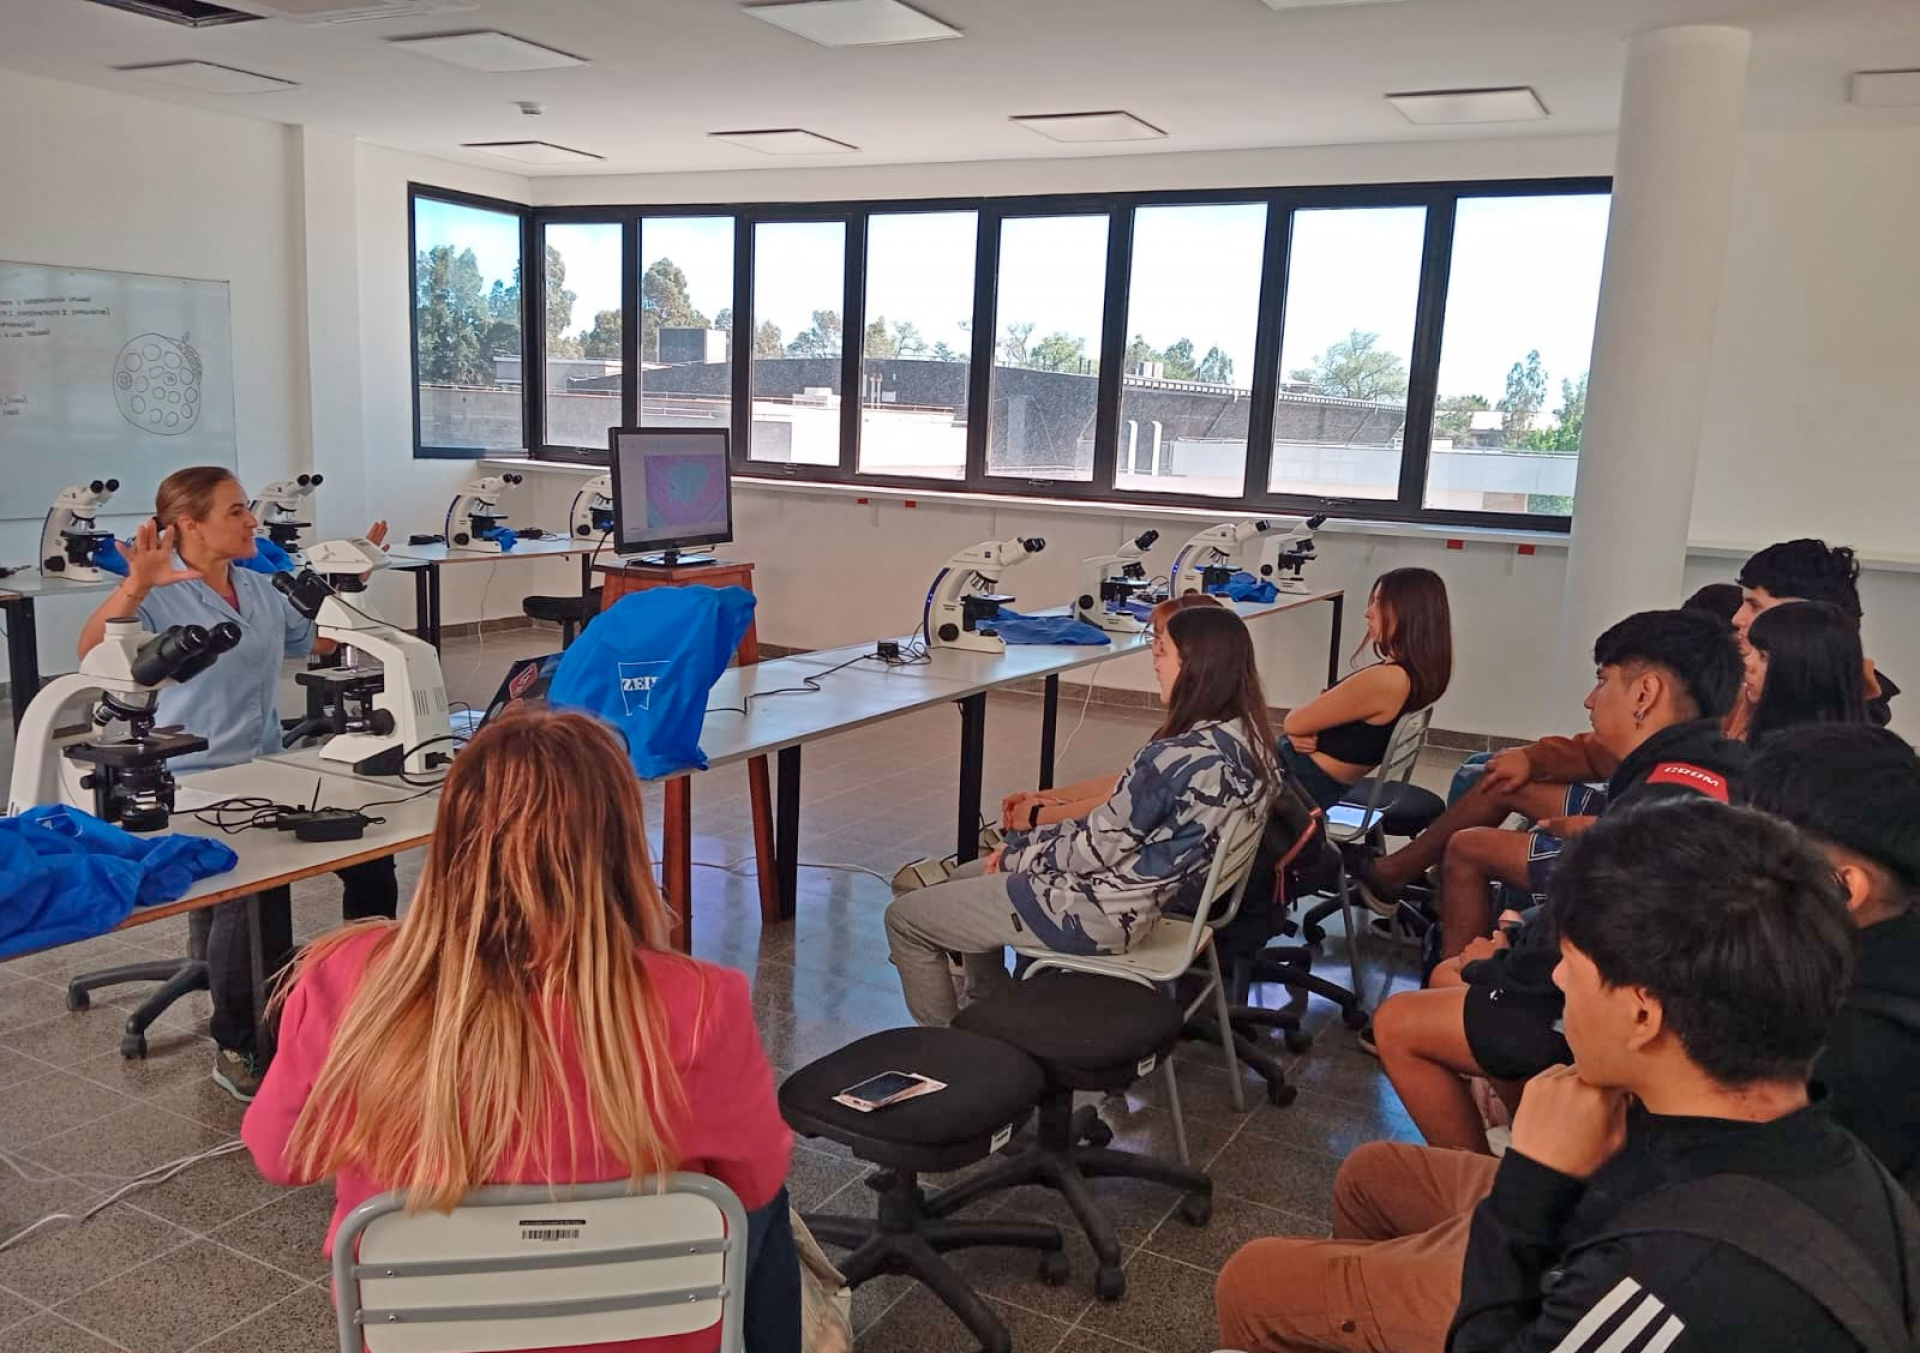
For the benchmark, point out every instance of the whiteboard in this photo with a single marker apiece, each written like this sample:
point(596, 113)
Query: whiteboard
point(109, 375)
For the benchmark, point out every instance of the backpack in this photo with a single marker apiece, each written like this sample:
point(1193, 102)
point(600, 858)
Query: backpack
point(1774, 1228)
point(1903, 1012)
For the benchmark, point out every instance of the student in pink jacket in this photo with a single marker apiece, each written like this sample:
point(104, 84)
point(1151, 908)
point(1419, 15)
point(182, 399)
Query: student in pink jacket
point(527, 1021)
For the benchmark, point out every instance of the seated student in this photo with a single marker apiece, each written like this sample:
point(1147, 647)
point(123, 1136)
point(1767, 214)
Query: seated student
point(1703, 956)
point(1854, 791)
point(1803, 666)
point(1335, 739)
point(1659, 671)
point(1808, 570)
point(1721, 599)
point(528, 1022)
point(1089, 886)
point(1027, 809)
point(1666, 678)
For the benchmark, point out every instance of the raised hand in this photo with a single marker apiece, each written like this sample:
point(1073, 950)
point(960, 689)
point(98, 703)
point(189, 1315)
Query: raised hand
point(150, 559)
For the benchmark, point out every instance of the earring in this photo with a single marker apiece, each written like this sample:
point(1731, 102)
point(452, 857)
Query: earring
point(1639, 717)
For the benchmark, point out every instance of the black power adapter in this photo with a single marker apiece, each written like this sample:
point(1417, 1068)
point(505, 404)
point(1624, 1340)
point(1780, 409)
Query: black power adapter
point(324, 824)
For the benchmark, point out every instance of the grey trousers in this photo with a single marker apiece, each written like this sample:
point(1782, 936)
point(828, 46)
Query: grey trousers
point(970, 914)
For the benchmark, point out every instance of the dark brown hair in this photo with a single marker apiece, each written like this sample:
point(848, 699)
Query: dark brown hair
point(1219, 682)
point(1419, 632)
point(188, 493)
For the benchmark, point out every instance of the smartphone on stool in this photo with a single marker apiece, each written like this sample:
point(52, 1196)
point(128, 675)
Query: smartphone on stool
point(889, 1087)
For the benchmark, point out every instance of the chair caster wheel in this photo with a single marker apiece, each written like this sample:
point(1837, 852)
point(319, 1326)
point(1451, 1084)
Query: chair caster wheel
point(1313, 935)
point(1297, 1040)
point(1280, 1096)
point(78, 999)
point(1196, 1209)
point(133, 1047)
point(1054, 1267)
point(1354, 1017)
point(1100, 1134)
point(1109, 1283)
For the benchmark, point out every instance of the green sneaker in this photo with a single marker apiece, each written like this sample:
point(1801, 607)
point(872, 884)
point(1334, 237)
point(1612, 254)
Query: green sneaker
point(238, 1073)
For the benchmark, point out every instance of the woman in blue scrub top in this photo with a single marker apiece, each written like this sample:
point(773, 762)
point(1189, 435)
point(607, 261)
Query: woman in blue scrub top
point(184, 568)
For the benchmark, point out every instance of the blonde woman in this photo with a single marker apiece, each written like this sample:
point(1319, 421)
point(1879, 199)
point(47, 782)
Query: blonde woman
point(526, 1022)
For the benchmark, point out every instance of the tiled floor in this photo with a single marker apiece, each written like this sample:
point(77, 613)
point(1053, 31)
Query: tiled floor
point(220, 1262)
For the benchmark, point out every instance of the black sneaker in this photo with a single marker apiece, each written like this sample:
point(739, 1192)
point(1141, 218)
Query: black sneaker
point(238, 1073)
point(1380, 900)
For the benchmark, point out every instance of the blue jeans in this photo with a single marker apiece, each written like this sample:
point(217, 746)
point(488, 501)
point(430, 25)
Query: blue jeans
point(772, 1323)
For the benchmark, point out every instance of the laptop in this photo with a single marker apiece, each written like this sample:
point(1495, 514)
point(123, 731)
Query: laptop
point(526, 683)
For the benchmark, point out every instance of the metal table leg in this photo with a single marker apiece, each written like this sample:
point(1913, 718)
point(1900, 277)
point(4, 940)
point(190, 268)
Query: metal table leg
point(270, 943)
point(1049, 726)
point(23, 653)
point(676, 857)
point(973, 755)
point(786, 829)
point(1339, 600)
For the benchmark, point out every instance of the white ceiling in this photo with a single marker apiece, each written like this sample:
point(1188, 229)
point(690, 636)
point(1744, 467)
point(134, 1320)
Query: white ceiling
point(1215, 74)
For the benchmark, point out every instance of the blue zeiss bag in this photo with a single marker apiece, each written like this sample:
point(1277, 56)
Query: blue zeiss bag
point(645, 665)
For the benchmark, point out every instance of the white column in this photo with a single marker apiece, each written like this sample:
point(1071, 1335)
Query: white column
point(1673, 184)
point(329, 268)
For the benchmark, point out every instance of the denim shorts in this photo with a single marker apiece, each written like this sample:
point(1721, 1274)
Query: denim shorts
point(1543, 849)
point(1310, 776)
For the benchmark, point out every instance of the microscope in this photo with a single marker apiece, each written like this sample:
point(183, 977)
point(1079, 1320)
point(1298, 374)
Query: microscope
point(69, 540)
point(593, 508)
point(277, 508)
point(1207, 561)
point(130, 781)
point(1113, 580)
point(387, 719)
point(962, 594)
point(1282, 557)
point(475, 514)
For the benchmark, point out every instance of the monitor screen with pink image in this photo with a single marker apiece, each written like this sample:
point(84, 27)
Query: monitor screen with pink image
point(672, 489)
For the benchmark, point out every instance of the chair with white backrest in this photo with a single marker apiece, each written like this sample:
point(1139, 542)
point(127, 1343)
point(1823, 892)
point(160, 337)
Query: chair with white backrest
point(1172, 949)
point(1360, 820)
point(532, 1266)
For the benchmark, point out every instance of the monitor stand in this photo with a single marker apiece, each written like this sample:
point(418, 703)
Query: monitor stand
point(670, 559)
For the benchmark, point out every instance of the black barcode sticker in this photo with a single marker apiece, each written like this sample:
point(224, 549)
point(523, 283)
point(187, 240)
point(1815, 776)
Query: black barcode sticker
point(558, 1228)
point(1146, 1065)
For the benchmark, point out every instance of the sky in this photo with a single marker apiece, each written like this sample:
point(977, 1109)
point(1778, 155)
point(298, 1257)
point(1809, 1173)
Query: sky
point(1525, 275)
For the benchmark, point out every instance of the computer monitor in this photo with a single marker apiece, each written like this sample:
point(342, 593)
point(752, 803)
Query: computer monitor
point(672, 488)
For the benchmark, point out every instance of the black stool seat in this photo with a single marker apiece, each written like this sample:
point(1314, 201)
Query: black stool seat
point(991, 1091)
point(1088, 1032)
point(990, 1088)
point(559, 609)
point(1405, 809)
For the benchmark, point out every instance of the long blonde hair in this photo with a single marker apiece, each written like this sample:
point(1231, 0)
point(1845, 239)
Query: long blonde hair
point(523, 936)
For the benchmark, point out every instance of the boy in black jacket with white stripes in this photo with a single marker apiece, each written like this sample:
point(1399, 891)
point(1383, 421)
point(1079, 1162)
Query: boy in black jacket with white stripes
point(1705, 951)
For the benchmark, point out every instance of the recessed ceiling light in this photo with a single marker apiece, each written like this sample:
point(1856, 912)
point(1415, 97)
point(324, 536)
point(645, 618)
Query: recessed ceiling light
point(854, 23)
point(785, 141)
point(488, 51)
point(1323, 4)
point(1447, 106)
point(1885, 88)
point(533, 152)
point(1113, 125)
point(208, 78)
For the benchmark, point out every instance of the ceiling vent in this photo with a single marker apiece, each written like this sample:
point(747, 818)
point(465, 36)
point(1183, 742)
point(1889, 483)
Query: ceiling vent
point(186, 13)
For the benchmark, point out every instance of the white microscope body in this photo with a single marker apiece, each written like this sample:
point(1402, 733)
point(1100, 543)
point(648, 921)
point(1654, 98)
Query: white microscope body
point(1213, 556)
point(476, 511)
point(405, 701)
point(278, 509)
point(593, 508)
point(119, 681)
point(68, 537)
point(1283, 556)
point(1111, 581)
point(962, 594)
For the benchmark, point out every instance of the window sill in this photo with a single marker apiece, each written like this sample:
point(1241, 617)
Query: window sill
point(1552, 540)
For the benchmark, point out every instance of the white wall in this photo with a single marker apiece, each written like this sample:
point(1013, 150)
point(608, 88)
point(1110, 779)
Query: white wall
point(99, 180)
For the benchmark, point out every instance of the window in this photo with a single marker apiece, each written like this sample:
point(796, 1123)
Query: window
point(1521, 298)
point(1192, 310)
point(686, 321)
point(583, 362)
point(466, 328)
point(1050, 305)
point(919, 340)
point(1339, 416)
point(799, 290)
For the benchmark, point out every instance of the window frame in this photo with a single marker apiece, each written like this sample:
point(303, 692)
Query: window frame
point(520, 212)
point(1438, 198)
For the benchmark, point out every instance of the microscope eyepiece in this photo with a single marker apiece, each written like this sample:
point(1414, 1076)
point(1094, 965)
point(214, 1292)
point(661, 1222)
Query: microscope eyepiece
point(113, 486)
point(510, 478)
point(97, 486)
point(182, 652)
point(1144, 541)
point(1033, 544)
